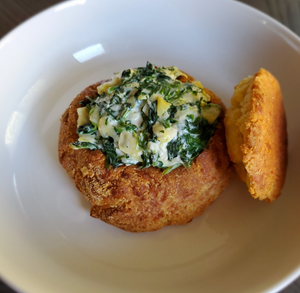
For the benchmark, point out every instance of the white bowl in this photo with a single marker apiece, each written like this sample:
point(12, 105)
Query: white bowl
point(48, 241)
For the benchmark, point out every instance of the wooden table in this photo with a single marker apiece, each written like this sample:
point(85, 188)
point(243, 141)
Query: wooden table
point(13, 12)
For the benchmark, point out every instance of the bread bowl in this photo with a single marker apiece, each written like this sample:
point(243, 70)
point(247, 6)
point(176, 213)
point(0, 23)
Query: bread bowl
point(129, 192)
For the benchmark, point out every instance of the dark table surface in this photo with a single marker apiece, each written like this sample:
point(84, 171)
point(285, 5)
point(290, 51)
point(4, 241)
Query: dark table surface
point(14, 12)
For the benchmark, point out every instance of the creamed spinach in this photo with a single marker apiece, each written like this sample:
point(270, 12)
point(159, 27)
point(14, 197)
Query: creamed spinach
point(148, 116)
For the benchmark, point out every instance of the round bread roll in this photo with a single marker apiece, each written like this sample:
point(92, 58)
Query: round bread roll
point(136, 199)
point(256, 135)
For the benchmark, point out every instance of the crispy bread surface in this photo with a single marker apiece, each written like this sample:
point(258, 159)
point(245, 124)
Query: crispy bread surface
point(140, 200)
point(256, 135)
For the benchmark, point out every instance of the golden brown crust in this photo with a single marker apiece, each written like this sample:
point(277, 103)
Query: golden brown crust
point(264, 146)
point(136, 199)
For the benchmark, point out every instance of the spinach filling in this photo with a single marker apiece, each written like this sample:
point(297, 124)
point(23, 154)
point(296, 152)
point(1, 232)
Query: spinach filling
point(148, 116)
point(195, 139)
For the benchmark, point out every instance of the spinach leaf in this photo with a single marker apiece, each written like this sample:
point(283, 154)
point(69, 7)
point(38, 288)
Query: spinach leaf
point(155, 160)
point(174, 148)
point(88, 128)
point(142, 143)
point(125, 126)
point(195, 139)
point(126, 74)
point(172, 111)
point(77, 145)
point(108, 148)
point(171, 168)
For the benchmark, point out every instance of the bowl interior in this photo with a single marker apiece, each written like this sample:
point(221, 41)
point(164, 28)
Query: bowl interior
point(49, 242)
